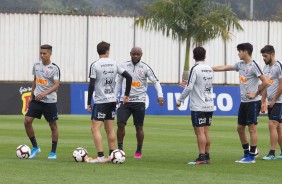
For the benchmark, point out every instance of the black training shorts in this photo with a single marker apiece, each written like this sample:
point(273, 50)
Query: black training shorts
point(137, 109)
point(275, 113)
point(249, 112)
point(104, 111)
point(37, 108)
point(200, 119)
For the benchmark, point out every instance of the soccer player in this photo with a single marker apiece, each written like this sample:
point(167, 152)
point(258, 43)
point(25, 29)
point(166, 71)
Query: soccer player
point(199, 88)
point(249, 76)
point(273, 72)
point(44, 99)
point(102, 78)
point(140, 72)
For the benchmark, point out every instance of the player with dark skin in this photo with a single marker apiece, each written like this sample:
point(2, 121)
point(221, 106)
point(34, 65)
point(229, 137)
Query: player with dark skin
point(139, 86)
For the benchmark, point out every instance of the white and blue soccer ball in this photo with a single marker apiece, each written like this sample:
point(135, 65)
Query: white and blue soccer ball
point(117, 156)
point(23, 151)
point(80, 154)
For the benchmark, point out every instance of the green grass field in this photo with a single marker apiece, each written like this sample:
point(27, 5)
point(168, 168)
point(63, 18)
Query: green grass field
point(169, 144)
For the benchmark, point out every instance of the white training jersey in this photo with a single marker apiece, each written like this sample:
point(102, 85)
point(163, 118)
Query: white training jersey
point(273, 74)
point(140, 72)
point(249, 79)
point(45, 76)
point(104, 72)
point(199, 88)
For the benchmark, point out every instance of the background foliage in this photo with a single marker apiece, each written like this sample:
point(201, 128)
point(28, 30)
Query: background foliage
point(263, 9)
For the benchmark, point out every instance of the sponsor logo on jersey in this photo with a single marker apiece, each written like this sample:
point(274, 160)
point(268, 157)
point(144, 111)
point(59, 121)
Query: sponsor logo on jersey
point(135, 84)
point(108, 81)
point(108, 91)
point(270, 81)
point(243, 79)
point(107, 65)
point(42, 82)
point(107, 72)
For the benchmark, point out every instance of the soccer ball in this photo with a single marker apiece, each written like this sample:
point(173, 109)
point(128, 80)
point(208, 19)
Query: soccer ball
point(23, 151)
point(80, 154)
point(117, 156)
point(256, 152)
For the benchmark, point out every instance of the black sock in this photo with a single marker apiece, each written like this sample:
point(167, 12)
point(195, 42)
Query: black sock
point(100, 154)
point(120, 145)
point(33, 141)
point(207, 156)
point(253, 150)
point(202, 157)
point(246, 148)
point(54, 146)
point(272, 152)
point(110, 152)
point(139, 148)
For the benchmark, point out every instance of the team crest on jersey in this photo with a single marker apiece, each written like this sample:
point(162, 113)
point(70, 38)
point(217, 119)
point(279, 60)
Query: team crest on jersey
point(140, 73)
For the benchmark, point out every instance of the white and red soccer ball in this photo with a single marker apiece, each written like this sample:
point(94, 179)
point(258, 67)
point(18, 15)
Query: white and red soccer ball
point(80, 154)
point(117, 156)
point(23, 151)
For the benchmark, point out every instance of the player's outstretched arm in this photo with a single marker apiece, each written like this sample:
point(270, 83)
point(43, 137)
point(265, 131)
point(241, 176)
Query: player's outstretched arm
point(222, 68)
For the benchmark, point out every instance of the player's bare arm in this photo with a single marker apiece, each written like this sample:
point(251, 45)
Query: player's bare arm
point(222, 68)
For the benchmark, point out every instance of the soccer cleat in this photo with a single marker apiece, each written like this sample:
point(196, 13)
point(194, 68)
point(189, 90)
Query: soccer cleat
point(35, 151)
point(248, 160)
point(52, 156)
point(279, 156)
point(138, 155)
point(199, 162)
point(98, 160)
point(269, 157)
point(243, 158)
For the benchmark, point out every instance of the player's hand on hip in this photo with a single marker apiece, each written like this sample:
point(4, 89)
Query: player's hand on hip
point(125, 99)
point(161, 101)
point(251, 95)
point(40, 96)
point(89, 108)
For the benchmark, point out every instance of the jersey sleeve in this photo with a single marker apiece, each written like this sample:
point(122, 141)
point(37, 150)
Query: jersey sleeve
point(257, 70)
point(92, 71)
point(151, 76)
point(236, 66)
point(57, 74)
point(33, 69)
point(119, 80)
point(120, 69)
point(279, 71)
point(191, 81)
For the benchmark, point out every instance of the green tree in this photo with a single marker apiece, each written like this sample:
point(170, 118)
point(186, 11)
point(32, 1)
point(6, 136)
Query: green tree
point(192, 21)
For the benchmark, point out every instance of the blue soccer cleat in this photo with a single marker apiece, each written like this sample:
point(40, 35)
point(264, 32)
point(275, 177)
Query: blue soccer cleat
point(35, 151)
point(52, 156)
point(248, 160)
point(243, 158)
